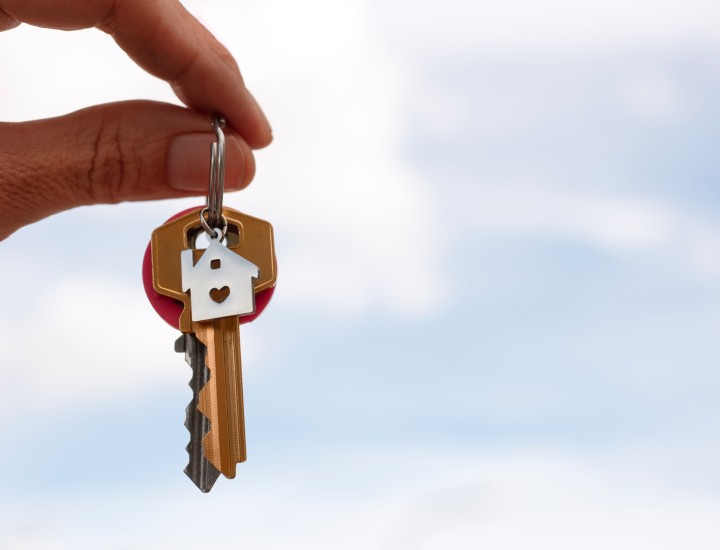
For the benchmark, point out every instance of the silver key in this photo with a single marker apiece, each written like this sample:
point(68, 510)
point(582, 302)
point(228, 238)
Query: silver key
point(199, 469)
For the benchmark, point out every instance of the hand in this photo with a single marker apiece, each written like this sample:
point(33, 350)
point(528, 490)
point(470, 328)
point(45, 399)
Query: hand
point(134, 150)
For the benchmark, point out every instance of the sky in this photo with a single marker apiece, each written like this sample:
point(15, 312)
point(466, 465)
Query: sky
point(498, 239)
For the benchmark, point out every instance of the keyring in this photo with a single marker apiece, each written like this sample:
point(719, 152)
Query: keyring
point(215, 219)
point(214, 232)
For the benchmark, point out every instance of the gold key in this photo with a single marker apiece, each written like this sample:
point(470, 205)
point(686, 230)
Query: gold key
point(217, 287)
point(221, 400)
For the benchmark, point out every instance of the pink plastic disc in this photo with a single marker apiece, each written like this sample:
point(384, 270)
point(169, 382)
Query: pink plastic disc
point(170, 309)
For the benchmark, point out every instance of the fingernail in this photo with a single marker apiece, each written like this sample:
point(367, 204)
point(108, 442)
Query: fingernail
point(260, 114)
point(189, 162)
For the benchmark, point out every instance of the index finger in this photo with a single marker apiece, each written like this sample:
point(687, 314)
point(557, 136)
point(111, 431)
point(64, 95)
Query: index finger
point(167, 41)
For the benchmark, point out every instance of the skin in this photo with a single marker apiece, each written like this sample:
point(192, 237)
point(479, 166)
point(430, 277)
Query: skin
point(91, 156)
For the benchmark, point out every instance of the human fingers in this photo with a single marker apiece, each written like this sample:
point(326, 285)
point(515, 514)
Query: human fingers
point(168, 42)
point(134, 150)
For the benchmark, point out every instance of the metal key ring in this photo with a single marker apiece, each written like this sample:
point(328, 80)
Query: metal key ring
point(217, 181)
point(218, 232)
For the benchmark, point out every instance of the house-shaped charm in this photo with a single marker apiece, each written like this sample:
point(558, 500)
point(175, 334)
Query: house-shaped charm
point(220, 283)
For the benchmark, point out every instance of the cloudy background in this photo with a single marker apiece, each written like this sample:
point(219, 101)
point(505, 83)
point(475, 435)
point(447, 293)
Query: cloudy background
point(498, 231)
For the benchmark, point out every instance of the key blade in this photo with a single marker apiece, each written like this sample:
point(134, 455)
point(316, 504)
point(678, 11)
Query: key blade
point(221, 400)
point(202, 473)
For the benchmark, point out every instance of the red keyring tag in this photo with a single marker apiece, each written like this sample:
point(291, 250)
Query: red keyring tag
point(168, 309)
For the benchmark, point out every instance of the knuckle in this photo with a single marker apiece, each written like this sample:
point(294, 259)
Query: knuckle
point(227, 58)
point(109, 22)
point(110, 170)
point(185, 68)
point(7, 22)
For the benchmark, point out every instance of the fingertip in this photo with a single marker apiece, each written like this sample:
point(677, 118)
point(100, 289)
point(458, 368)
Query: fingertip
point(239, 163)
point(266, 140)
point(251, 122)
point(264, 128)
point(254, 137)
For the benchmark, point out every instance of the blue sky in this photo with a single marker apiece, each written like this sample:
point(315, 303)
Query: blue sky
point(498, 298)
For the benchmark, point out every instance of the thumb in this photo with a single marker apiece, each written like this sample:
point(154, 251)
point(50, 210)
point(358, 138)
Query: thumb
point(128, 151)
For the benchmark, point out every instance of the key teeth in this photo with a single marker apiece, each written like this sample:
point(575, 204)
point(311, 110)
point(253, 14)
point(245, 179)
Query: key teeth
point(180, 344)
point(200, 471)
point(204, 476)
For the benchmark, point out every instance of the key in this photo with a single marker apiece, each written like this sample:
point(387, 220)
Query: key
point(199, 469)
point(221, 399)
point(217, 289)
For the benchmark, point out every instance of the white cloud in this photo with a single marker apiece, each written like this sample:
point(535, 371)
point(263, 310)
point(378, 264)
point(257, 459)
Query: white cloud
point(49, 73)
point(617, 223)
point(84, 341)
point(415, 498)
point(567, 27)
point(614, 222)
point(651, 95)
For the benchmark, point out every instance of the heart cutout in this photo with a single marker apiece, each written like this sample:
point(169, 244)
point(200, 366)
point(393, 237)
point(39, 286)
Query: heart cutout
point(219, 295)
